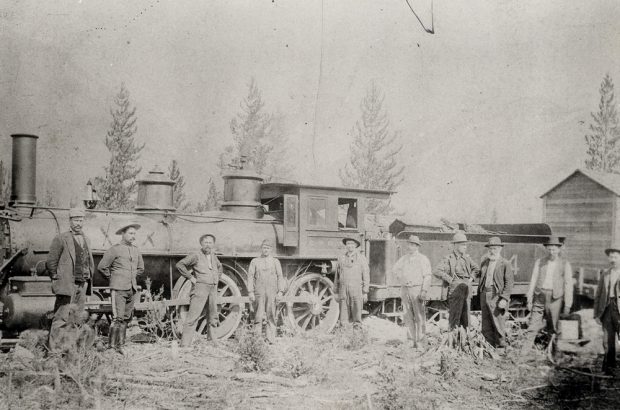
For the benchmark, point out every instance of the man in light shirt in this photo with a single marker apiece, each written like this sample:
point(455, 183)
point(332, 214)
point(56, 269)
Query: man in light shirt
point(551, 286)
point(606, 304)
point(494, 289)
point(413, 272)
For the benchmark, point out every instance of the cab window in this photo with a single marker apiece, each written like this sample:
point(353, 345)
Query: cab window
point(347, 213)
point(317, 211)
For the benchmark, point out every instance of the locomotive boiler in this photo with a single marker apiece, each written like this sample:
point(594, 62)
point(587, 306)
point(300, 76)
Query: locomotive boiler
point(306, 222)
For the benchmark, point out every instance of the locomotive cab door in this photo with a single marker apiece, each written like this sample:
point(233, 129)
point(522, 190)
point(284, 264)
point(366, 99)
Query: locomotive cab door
point(291, 220)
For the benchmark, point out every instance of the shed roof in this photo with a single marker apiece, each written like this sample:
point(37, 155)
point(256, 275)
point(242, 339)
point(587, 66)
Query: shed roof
point(607, 180)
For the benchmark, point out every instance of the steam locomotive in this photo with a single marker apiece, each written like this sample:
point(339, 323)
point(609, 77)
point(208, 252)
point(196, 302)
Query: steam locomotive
point(306, 222)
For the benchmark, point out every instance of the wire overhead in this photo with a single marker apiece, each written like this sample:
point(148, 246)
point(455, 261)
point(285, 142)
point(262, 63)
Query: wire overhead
point(428, 30)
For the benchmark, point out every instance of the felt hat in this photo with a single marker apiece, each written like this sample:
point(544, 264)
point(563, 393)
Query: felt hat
point(123, 228)
point(344, 241)
point(553, 241)
point(615, 247)
point(76, 213)
point(459, 237)
point(205, 236)
point(494, 241)
point(414, 239)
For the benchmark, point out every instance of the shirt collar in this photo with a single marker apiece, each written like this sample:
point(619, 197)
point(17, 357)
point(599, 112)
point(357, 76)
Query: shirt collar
point(124, 242)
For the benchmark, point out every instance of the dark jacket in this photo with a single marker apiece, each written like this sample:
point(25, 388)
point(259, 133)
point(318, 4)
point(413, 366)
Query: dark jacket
point(447, 268)
point(601, 298)
point(60, 263)
point(503, 277)
point(121, 264)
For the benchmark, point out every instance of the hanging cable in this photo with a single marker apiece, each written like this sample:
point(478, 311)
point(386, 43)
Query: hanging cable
point(432, 29)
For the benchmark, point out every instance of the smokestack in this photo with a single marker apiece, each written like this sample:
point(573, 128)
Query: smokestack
point(24, 170)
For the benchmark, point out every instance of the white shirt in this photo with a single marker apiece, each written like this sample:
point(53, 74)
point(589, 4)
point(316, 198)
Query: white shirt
point(413, 270)
point(551, 266)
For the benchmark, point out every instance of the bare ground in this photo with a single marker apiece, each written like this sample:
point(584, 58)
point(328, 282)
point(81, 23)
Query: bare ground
point(374, 368)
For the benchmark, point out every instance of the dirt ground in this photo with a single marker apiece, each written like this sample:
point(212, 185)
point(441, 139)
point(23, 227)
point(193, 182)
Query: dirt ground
point(370, 368)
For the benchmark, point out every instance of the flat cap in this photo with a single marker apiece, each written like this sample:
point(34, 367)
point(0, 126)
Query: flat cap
point(76, 213)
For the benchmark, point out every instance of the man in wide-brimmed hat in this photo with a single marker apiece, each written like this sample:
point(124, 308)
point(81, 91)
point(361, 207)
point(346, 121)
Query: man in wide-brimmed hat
point(204, 270)
point(494, 288)
point(413, 272)
point(265, 286)
point(70, 265)
point(606, 306)
point(551, 287)
point(458, 269)
point(121, 264)
point(352, 282)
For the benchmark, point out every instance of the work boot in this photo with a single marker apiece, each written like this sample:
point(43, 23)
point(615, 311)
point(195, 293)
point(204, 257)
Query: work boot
point(211, 336)
point(122, 333)
point(115, 338)
point(112, 336)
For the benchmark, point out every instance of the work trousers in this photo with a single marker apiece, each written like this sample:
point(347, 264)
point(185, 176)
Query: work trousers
point(493, 319)
point(545, 313)
point(415, 315)
point(351, 302)
point(265, 309)
point(61, 305)
point(202, 294)
point(458, 303)
point(122, 305)
point(611, 325)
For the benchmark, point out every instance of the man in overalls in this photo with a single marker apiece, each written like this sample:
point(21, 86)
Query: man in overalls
point(458, 269)
point(265, 286)
point(203, 269)
point(352, 282)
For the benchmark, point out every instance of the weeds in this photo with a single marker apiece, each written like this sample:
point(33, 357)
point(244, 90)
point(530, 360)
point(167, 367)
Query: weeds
point(253, 350)
point(296, 365)
point(351, 337)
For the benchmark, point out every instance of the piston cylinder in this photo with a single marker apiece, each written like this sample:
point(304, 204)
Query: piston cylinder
point(24, 170)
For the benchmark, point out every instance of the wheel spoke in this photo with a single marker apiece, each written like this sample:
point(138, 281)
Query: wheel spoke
point(300, 318)
point(328, 298)
point(307, 321)
point(322, 292)
point(223, 290)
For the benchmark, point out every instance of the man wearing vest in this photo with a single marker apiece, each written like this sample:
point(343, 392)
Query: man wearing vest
point(265, 286)
point(606, 311)
point(121, 264)
point(352, 282)
point(551, 286)
point(458, 269)
point(203, 269)
point(494, 289)
point(413, 272)
point(70, 265)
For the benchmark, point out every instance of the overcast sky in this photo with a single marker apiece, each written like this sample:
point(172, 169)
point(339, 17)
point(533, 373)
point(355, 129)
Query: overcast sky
point(492, 108)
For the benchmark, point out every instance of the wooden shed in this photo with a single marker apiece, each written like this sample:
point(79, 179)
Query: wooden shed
point(584, 207)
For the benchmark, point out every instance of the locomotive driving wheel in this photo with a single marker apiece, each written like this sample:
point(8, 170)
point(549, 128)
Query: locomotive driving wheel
point(228, 312)
point(311, 305)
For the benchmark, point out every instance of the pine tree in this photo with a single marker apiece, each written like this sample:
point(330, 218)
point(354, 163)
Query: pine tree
point(174, 173)
point(603, 152)
point(374, 152)
point(213, 201)
point(119, 185)
point(258, 136)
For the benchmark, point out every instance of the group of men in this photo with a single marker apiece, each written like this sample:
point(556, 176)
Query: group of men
point(71, 267)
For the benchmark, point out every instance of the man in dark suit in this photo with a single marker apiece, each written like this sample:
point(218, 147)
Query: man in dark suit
point(122, 263)
point(494, 288)
point(458, 269)
point(606, 306)
point(70, 265)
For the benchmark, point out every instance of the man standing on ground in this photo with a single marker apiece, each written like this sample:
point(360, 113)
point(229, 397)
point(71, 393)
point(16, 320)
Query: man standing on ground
point(121, 264)
point(413, 272)
point(494, 289)
point(606, 311)
point(70, 265)
point(265, 286)
point(458, 269)
point(551, 286)
point(203, 269)
point(352, 282)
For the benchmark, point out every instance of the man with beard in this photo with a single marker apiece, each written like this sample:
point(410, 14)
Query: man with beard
point(70, 265)
point(606, 304)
